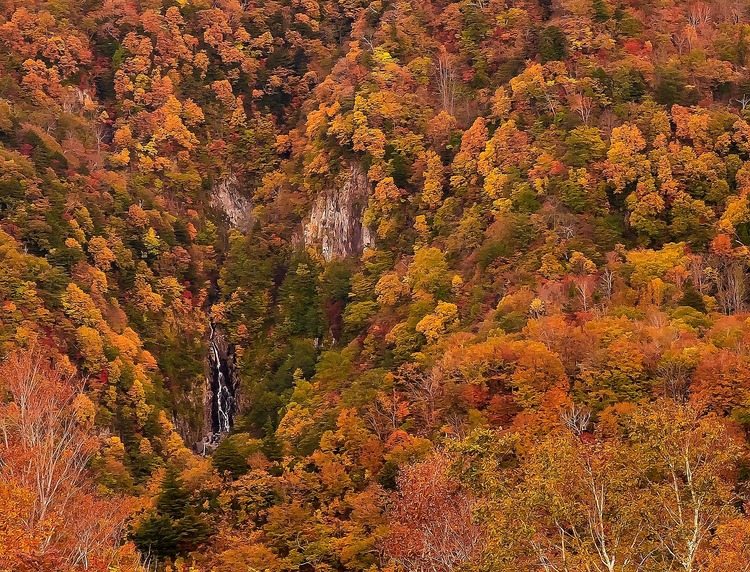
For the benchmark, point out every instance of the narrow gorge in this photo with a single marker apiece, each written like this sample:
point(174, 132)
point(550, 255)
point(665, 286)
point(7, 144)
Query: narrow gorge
point(222, 385)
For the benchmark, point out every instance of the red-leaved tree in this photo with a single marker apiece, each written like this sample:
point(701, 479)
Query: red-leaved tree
point(46, 443)
point(431, 525)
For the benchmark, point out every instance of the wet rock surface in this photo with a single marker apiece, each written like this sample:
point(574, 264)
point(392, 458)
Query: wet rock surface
point(222, 390)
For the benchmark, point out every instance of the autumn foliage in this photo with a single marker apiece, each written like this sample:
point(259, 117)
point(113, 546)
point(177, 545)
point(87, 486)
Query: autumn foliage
point(53, 517)
point(479, 269)
point(431, 521)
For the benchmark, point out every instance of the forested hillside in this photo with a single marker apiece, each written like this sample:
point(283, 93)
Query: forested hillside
point(339, 285)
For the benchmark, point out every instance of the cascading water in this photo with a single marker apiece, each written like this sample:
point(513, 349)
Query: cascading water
point(222, 385)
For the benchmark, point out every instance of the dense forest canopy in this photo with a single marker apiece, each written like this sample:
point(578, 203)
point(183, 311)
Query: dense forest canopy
point(335, 285)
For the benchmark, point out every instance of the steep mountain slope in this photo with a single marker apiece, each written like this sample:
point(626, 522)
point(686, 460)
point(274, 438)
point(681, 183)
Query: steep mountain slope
point(374, 285)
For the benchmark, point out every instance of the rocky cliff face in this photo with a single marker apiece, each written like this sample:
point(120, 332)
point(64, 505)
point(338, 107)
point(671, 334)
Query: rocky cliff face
point(335, 222)
point(227, 197)
point(221, 402)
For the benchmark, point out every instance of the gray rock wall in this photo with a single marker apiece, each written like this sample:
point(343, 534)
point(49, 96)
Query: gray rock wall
point(335, 221)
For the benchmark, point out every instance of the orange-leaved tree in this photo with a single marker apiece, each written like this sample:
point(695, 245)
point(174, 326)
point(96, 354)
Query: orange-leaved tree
point(432, 529)
point(55, 518)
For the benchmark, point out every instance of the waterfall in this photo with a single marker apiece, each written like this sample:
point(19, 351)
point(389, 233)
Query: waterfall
point(222, 384)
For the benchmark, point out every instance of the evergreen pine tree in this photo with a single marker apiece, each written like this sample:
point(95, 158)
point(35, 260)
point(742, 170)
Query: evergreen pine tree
point(174, 498)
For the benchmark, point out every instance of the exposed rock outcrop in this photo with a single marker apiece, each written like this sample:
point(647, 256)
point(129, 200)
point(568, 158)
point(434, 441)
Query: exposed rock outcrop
point(335, 222)
point(227, 197)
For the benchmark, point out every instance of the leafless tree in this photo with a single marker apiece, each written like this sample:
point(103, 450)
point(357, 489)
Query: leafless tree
point(731, 11)
point(101, 131)
point(699, 13)
point(738, 11)
point(583, 105)
point(369, 43)
point(43, 446)
point(675, 375)
point(551, 102)
point(382, 415)
point(576, 418)
point(608, 283)
point(686, 513)
point(743, 101)
point(425, 392)
point(731, 281)
point(583, 283)
point(681, 41)
point(445, 77)
point(697, 269)
point(613, 544)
